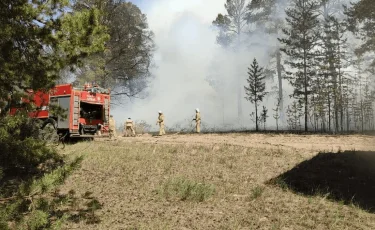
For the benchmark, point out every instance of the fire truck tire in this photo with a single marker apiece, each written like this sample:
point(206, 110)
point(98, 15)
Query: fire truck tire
point(49, 131)
point(49, 121)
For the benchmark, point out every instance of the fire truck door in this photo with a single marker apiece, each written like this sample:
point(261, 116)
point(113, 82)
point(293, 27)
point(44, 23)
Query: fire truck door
point(106, 111)
point(63, 122)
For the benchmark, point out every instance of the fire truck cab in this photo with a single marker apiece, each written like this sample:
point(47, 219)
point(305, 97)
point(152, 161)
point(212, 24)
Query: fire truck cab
point(85, 111)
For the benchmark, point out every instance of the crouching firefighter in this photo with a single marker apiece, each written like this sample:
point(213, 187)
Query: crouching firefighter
point(129, 127)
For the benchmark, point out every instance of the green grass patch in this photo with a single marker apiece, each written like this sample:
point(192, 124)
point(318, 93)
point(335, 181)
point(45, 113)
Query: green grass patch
point(186, 190)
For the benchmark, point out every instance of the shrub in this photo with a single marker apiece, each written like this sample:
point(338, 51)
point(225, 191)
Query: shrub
point(21, 148)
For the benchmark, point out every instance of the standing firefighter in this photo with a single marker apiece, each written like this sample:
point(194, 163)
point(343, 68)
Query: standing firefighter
point(129, 127)
point(197, 120)
point(112, 127)
point(161, 123)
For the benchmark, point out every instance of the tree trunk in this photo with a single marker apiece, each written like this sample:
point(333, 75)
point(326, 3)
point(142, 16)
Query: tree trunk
point(362, 117)
point(279, 77)
point(239, 95)
point(305, 75)
point(335, 105)
point(347, 118)
point(264, 125)
point(256, 116)
point(340, 93)
point(329, 113)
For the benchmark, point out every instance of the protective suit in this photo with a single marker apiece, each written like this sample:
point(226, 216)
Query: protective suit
point(129, 127)
point(197, 120)
point(161, 123)
point(112, 127)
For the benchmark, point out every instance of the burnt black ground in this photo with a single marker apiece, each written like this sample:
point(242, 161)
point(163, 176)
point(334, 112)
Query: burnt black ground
point(347, 177)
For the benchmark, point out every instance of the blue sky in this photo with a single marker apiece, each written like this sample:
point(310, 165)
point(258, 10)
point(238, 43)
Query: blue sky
point(142, 4)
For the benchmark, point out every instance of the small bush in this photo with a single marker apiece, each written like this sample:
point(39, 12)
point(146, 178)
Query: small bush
point(255, 193)
point(37, 220)
point(187, 190)
point(32, 206)
point(141, 127)
point(21, 148)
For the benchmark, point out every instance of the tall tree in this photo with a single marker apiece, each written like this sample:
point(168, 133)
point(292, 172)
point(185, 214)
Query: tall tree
point(39, 38)
point(334, 52)
point(232, 24)
point(256, 90)
point(333, 41)
point(265, 14)
point(125, 65)
point(301, 37)
point(231, 27)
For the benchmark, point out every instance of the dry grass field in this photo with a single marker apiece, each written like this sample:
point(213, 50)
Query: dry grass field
point(227, 181)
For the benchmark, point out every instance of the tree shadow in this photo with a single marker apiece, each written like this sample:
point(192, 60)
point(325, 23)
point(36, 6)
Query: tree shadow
point(347, 177)
point(77, 208)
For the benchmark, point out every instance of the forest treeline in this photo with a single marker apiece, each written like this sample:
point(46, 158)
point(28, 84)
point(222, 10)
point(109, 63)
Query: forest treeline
point(324, 49)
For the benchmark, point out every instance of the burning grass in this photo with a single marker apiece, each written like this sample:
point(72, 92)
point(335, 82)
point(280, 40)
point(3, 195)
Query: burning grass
point(203, 186)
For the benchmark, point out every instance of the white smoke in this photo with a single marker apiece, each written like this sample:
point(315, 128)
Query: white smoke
point(187, 54)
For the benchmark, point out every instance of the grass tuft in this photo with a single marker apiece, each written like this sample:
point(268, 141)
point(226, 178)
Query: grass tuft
point(255, 193)
point(186, 190)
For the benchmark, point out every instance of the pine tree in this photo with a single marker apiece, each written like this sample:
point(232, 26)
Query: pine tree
point(299, 44)
point(36, 45)
point(276, 115)
point(264, 117)
point(232, 27)
point(332, 63)
point(294, 113)
point(125, 66)
point(38, 39)
point(361, 21)
point(256, 90)
point(264, 14)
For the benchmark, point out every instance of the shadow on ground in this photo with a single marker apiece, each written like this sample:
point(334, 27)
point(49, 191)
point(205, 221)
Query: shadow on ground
point(347, 177)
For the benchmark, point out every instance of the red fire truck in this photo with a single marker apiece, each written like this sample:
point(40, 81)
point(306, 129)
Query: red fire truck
point(85, 111)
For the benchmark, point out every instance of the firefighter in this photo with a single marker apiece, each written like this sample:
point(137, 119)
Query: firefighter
point(112, 127)
point(129, 127)
point(161, 123)
point(197, 120)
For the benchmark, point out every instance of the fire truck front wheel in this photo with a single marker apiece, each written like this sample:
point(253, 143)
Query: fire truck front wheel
point(49, 132)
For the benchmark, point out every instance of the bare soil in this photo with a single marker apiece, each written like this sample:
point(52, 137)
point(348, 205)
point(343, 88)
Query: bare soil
point(260, 181)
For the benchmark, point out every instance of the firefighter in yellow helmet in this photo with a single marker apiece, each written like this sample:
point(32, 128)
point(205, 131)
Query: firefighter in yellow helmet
point(161, 123)
point(129, 127)
point(197, 120)
point(112, 127)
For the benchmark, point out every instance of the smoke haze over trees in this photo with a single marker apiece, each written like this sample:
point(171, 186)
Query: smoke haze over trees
point(180, 55)
point(201, 60)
